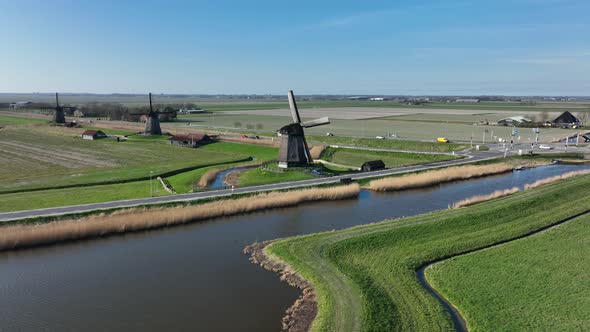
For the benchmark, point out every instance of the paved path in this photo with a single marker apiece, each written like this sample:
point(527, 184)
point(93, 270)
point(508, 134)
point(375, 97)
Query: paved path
point(473, 157)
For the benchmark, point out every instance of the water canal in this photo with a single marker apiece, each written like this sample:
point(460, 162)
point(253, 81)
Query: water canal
point(195, 277)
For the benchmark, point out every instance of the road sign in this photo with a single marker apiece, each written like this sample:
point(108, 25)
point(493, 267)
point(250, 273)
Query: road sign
point(514, 132)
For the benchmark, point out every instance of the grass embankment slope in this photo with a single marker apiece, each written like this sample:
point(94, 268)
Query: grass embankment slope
point(390, 144)
point(538, 283)
point(365, 277)
point(356, 158)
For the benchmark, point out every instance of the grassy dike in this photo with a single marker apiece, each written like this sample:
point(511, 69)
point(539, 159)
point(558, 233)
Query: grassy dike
point(538, 283)
point(364, 278)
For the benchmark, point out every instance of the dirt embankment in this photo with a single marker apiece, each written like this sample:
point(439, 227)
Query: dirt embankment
point(300, 315)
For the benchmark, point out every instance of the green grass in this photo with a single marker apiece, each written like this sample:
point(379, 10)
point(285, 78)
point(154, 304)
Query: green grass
point(389, 143)
point(273, 174)
point(6, 120)
point(45, 157)
point(351, 157)
point(537, 283)
point(365, 277)
point(80, 195)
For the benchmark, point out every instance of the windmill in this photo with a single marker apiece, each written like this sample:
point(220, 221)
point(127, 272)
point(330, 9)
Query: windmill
point(152, 124)
point(293, 150)
point(58, 114)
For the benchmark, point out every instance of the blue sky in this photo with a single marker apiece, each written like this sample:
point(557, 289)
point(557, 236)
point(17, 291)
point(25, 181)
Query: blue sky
point(518, 47)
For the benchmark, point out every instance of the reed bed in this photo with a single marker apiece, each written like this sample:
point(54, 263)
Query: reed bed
point(208, 178)
point(139, 219)
point(482, 198)
point(316, 151)
point(434, 177)
point(556, 178)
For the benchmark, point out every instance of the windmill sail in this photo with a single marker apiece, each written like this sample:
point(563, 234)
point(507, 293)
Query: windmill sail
point(293, 107)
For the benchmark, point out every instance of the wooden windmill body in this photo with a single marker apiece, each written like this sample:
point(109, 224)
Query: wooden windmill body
point(293, 150)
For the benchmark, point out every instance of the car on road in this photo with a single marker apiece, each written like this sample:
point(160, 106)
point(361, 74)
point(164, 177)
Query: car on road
point(442, 140)
point(545, 147)
point(329, 134)
point(380, 137)
point(317, 172)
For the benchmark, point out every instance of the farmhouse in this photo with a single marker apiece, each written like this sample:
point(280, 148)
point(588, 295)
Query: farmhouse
point(374, 165)
point(190, 140)
point(513, 121)
point(20, 104)
point(566, 119)
point(93, 134)
point(467, 100)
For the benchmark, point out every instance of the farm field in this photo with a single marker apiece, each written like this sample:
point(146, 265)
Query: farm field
point(365, 277)
point(421, 130)
point(536, 283)
point(273, 174)
point(389, 144)
point(356, 158)
point(41, 156)
point(6, 120)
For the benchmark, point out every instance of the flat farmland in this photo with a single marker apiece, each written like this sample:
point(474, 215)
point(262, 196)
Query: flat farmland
point(413, 127)
point(356, 158)
point(41, 156)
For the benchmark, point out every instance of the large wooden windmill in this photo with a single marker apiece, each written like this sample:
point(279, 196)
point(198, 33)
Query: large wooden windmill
point(58, 111)
point(293, 150)
point(152, 123)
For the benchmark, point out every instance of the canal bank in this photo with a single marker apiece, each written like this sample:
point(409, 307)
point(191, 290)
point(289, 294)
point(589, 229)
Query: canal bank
point(195, 277)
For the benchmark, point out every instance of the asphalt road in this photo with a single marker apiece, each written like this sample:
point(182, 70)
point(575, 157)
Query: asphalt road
point(63, 210)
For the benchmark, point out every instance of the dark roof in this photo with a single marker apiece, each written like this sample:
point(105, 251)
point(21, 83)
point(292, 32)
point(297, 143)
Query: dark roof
point(92, 133)
point(566, 117)
point(374, 164)
point(189, 138)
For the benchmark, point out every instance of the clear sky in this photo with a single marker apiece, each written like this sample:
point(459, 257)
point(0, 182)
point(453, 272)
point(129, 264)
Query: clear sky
point(512, 47)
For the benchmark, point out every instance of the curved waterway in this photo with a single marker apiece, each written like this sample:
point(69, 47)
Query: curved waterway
point(194, 277)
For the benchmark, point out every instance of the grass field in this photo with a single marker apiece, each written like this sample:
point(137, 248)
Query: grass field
point(6, 120)
point(79, 195)
point(537, 283)
point(389, 144)
point(273, 174)
point(352, 157)
point(41, 156)
point(365, 277)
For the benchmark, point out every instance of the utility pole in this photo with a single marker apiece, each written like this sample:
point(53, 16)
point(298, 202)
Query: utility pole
point(151, 187)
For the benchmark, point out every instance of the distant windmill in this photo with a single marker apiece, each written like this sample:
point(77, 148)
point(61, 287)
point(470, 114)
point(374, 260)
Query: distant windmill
point(58, 114)
point(152, 124)
point(294, 150)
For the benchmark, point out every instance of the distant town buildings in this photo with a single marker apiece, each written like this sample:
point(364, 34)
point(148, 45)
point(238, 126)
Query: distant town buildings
point(20, 104)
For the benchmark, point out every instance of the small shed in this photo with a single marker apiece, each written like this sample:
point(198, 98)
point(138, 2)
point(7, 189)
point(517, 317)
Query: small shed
point(566, 119)
point(190, 140)
point(373, 165)
point(93, 134)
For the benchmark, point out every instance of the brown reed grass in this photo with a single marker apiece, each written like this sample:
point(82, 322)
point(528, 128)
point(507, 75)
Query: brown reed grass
point(556, 178)
point(139, 219)
point(434, 177)
point(316, 151)
point(208, 178)
point(482, 198)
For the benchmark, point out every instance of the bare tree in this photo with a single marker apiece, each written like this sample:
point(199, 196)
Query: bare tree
point(544, 116)
point(259, 126)
point(583, 117)
point(237, 124)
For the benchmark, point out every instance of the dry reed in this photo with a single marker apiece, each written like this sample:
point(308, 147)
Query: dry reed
point(434, 177)
point(208, 178)
point(316, 151)
point(482, 198)
point(138, 219)
point(556, 178)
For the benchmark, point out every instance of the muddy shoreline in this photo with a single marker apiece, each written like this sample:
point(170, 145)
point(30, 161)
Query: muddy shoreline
point(300, 315)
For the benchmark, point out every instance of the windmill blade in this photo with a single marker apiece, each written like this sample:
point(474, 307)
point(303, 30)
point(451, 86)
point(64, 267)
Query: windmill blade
point(293, 107)
point(56, 100)
point(307, 153)
point(315, 123)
